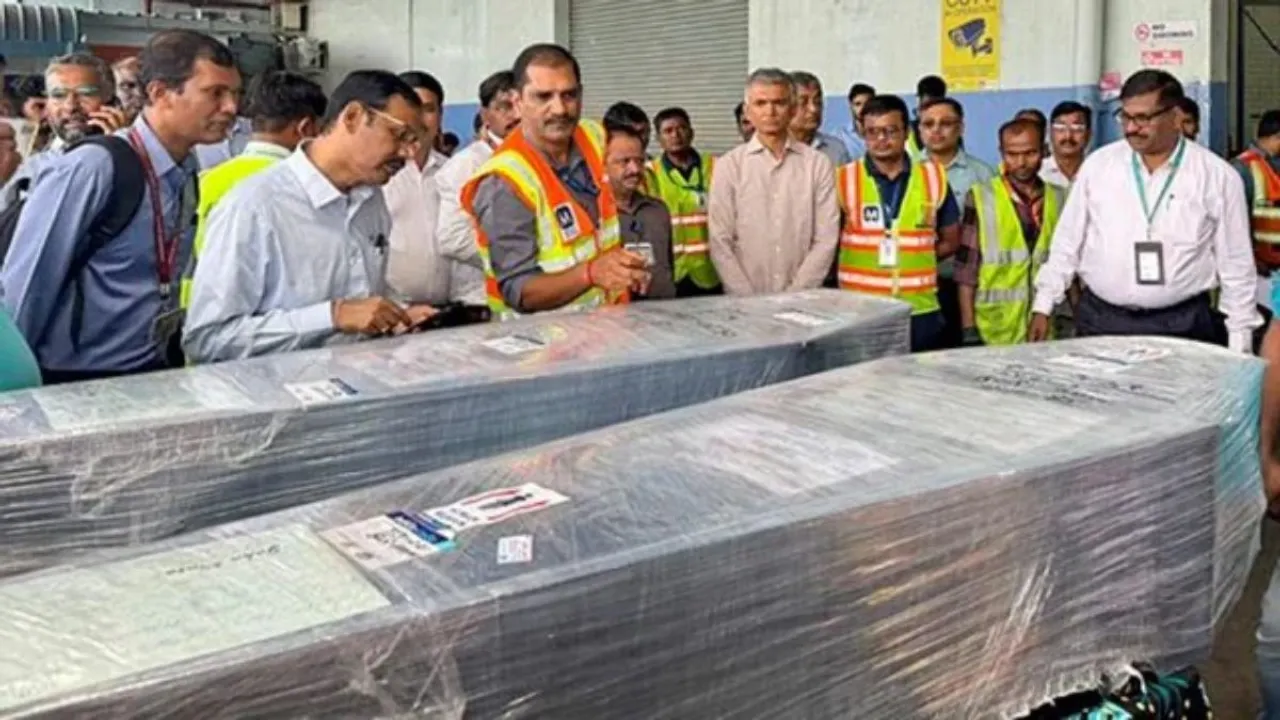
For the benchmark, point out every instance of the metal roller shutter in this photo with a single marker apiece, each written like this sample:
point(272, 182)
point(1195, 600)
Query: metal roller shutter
point(660, 53)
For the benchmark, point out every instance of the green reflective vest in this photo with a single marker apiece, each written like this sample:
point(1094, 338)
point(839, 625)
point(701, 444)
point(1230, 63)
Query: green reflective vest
point(1006, 282)
point(18, 368)
point(686, 200)
point(215, 183)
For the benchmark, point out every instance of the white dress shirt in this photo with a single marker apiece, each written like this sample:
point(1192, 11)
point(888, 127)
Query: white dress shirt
point(415, 268)
point(1202, 224)
point(455, 233)
point(1052, 174)
point(280, 248)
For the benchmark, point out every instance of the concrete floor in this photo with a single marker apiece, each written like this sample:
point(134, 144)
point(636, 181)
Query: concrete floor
point(1233, 688)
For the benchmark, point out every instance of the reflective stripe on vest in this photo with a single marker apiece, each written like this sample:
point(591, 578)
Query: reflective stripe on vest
point(1002, 302)
point(914, 278)
point(1265, 210)
point(566, 235)
point(687, 204)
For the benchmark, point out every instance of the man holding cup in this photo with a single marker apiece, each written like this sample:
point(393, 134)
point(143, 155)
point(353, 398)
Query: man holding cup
point(644, 221)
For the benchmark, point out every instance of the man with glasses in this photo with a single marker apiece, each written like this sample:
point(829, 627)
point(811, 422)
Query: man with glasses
point(901, 219)
point(296, 255)
point(1070, 132)
point(79, 90)
point(1151, 227)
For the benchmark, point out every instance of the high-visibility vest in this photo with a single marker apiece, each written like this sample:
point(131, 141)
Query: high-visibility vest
point(215, 183)
point(566, 236)
point(912, 237)
point(687, 203)
point(1006, 281)
point(1265, 210)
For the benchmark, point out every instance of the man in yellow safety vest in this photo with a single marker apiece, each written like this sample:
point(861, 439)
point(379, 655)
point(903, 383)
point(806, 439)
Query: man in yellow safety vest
point(900, 219)
point(285, 109)
point(681, 177)
point(1259, 167)
point(546, 221)
point(1008, 224)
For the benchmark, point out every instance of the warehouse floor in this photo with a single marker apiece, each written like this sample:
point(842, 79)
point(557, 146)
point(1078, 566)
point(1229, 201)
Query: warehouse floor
point(1233, 689)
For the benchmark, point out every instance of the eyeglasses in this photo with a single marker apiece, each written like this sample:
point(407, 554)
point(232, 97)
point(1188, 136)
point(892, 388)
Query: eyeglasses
point(83, 92)
point(406, 135)
point(1069, 127)
point(1140, 119)
point(882, 133)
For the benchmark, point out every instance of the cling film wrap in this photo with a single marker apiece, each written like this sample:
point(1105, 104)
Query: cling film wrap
point(954, 535)
point(121, 462)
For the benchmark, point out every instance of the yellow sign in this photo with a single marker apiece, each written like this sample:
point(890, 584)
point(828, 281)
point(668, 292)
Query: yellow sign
point(971, 44)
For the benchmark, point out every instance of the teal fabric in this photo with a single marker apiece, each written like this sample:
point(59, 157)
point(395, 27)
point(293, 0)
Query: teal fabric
point(18, 367)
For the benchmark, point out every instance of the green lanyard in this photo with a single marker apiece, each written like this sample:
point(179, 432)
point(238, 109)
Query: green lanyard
point(1149, 211)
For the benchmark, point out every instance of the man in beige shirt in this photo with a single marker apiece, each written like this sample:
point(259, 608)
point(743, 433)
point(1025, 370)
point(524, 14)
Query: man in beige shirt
point(772, 212)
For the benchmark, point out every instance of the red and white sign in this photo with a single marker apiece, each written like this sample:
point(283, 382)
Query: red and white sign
point(1142, 32)
point(1161, 58)
point(1175, 31)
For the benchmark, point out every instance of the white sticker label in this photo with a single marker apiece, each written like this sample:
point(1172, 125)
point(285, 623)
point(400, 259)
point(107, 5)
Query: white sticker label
point(515, 549)
point(495, 506)
point(802, 318)
point(389, 540)
point(321, 391)
point(513, 345)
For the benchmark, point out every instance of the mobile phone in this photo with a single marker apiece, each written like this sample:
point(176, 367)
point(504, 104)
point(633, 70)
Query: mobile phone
point(643, 249)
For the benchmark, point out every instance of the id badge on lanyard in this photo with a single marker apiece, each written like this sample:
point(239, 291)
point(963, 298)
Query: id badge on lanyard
point(168, 323)
point(1148, 256)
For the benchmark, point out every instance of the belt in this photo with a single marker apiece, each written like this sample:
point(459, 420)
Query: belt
point(1134, 311)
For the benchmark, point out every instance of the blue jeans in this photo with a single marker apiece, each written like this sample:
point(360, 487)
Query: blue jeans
point(1268, 652)
point(928, 332)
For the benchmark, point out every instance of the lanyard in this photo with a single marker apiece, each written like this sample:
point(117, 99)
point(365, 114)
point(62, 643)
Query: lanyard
point(893, 207)
point(1149, 211)
point(166, 242)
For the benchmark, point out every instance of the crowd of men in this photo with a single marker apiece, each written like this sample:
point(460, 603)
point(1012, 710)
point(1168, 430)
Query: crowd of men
point(174, 219)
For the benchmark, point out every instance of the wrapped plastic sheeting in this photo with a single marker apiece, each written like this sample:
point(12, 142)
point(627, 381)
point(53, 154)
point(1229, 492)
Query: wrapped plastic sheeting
point(138, 459)
point(955, 535)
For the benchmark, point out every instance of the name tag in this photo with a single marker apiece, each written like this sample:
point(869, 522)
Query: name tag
point(1148, 262)
point(888, 251)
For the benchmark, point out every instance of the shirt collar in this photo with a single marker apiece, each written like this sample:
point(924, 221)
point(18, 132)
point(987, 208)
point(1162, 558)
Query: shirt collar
point(319, 190)
point(755, 147)
point(669, 166)
point(161, 161)
point(875, 171)
point(261, 148)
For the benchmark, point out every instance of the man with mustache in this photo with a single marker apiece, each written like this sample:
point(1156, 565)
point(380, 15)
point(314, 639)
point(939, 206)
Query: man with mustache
point(1070, 131)
point(1152, 226)
point(78, 90)
point(93, 306)
point(128, 89)
point(807, 120)
point(644, 220)
point(296, 255)
point(454, 230)
point(547, 220)
point(1004, 239)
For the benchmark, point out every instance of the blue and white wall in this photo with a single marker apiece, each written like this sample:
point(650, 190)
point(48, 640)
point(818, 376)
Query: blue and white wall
point(1052, 49)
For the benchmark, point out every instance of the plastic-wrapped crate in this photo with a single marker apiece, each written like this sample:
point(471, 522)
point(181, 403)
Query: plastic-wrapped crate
point(134, 460)
point(958, 535)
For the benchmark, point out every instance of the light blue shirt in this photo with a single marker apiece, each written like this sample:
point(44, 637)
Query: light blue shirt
point(28, 170)
point(280, 248)
point(831, 147)
point(853, 142)
point(122, 298)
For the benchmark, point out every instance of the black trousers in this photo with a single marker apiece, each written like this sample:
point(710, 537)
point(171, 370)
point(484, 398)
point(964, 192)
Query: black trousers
point(1191, 319)
point(687, 288)
point(949, 299)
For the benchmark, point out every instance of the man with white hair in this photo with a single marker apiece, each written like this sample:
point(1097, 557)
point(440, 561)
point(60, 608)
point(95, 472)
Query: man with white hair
point(773, 219)
point(79, 89)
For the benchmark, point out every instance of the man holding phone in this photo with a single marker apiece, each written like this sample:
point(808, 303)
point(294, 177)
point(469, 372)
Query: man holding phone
point(80, 101)
point(644, 221)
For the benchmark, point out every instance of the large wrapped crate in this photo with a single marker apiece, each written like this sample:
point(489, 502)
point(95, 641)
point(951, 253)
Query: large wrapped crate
point(134, 460)
point(955, 535)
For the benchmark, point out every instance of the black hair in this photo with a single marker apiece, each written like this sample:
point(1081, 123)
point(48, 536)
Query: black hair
point(419, 80)
point(1145, 82)
point(545, 55)
point(671, 113)
point(170, 56)
point(1071, 107)
point(613, 128)
point(738, 111)
point(883, 105)
point(450, 138)
point(949, 102)
point(625, 112)
point(276, 99)
point(373, 88)
point(1021, 125)
point(1033, 115)
point(477, 122)
point(857, 89)
point(1269, 124)
point(931, 86)
point(494, 85)
point(1190, 107)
